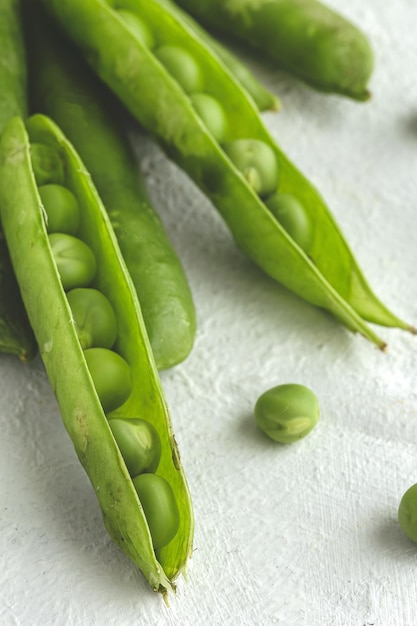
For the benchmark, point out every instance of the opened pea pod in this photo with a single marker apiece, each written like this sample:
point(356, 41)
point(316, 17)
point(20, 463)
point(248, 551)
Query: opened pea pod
point(100, 373)
point(63, 87)
point(239, 168)
point(16, 336)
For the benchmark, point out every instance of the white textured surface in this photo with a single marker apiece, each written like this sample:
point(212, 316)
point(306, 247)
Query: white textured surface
point(301, 535)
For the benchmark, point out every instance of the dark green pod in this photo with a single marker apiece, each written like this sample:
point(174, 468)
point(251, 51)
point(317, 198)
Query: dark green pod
point(16, 336)
point(304, 37)
point(64, 359)
point(63, 87)
point(326, 274)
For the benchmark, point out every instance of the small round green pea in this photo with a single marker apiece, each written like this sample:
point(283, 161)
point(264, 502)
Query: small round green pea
point(182, 67)
point(407, 513)
point(287, 413)
point(75, 260)
point(160, 507)
point(47, 164)
point(212, 113)
point(257, 162)
point(94, 318)
point(292, 216)
point(138, 442)
point(111, 376)
point(138, 27)
point(61, 208)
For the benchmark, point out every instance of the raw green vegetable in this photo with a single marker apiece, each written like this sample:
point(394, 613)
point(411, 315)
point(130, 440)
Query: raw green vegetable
point(94, 318)
point(139, 444)
point(16, 336)
point(328, 276)
point(61, 208)
point(291, 215)
point(64, 88)
point(304, 37)
point(137, 392)
point(287, 413)
point(407, 513)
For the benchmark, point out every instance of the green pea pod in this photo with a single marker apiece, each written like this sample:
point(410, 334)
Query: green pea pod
point(304, 37)
point(64, 359)
point(16, 336)
point(327, 275)
point(65, 89)
point(264, 99)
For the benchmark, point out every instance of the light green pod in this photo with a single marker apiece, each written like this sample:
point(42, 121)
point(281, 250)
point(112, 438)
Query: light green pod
point(407, 513)
point(50, 315)
point(329, 276)
point(287, 413)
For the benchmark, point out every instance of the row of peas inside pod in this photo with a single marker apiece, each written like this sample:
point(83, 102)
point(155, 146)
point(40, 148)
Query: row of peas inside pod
point(253, 158)
point(96, 326)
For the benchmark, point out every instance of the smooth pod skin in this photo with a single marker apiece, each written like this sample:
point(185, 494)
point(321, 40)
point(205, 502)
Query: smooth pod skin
point(407, 513)
point(63, 213)
point(329, 276)
point(287, 413)
point(212, 114)
point(64, 87)
point(139, 28)
point(94, 318)
point(75, 260)
point(111, 376)
point(304, 37)
point(160, 508)
point(291, 215)
point(139, 444)
point(65, 363)
point(182, 67)
point(257, 162)
point(46, 164)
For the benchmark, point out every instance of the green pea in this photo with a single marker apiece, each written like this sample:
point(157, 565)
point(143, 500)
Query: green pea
point(61, 208)
point(75, 260)
point(111, 376)
point(292, 216)
point(257, 162)
point(287, 413)
point(212, 113)
point(94, 318)
point(138, 442)
point(160, 507)
point(47, 164)
point(182, 66)
point(138, 27)
point(407, 513)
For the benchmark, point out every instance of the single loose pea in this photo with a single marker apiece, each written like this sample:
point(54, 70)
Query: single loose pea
point(61, 208)
point(138, 442)
point(407, 513)
point(111, 376)
point(182, 66)
point(47, 164)
point(94, 318)
point(292, 216)
point(287, 413)
point(212, 113)
point(257, 162)
point(75, 260)
point(160, 507)
point(138, 27)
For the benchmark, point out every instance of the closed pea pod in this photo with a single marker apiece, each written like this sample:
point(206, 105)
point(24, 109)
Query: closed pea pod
point(63, 87)
point(65, 361)
point(307, 38)
point(164, 109)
